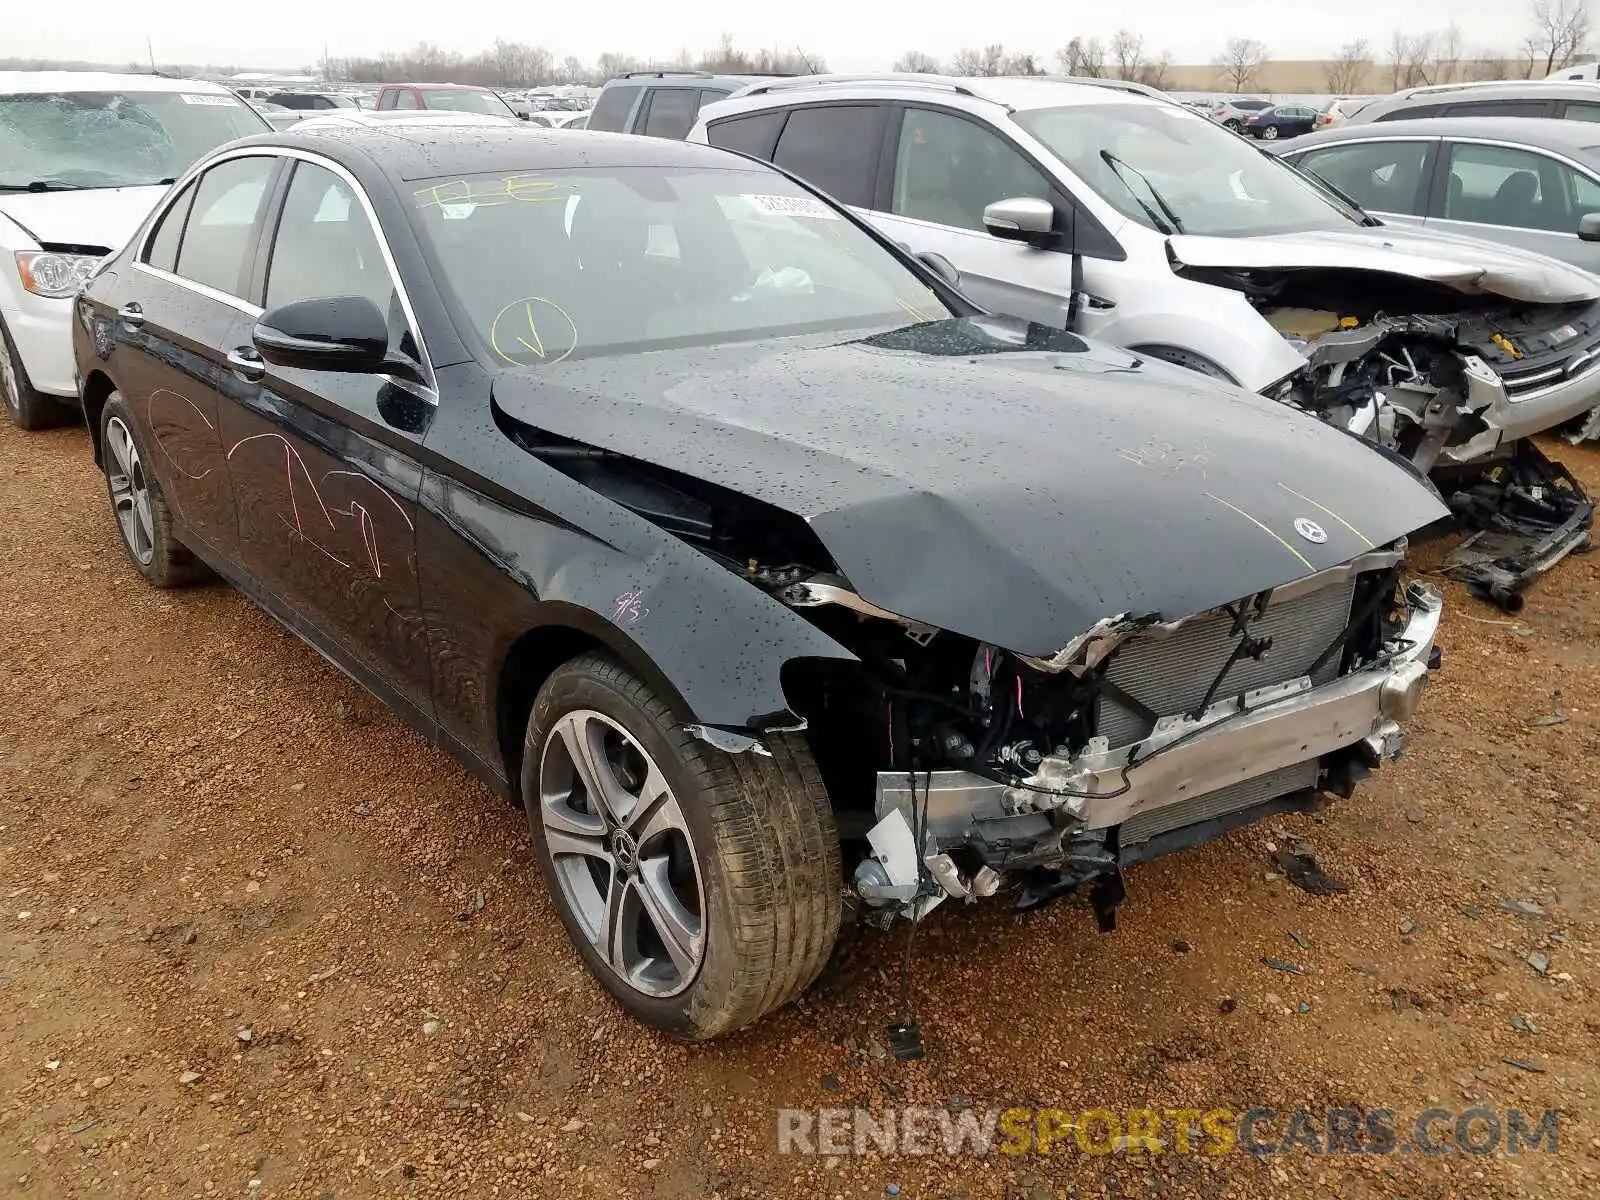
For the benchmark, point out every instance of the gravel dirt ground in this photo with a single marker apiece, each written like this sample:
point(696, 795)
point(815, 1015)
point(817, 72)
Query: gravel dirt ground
point(259, 939)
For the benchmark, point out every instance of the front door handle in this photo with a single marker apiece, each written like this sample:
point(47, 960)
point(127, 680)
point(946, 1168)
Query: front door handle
point(132, 315)
point(247, 364)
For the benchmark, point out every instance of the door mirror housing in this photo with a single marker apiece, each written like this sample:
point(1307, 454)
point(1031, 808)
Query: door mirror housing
point(941, 266)
point(329, 333)
point(1589, 227)
point(1021, 219)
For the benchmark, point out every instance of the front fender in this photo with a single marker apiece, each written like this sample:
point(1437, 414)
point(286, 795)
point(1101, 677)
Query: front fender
point(1215, 323)
point(553, 552)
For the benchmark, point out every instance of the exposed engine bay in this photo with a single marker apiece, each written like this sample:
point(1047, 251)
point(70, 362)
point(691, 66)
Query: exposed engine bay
point(957, 767)
point(1438, 376)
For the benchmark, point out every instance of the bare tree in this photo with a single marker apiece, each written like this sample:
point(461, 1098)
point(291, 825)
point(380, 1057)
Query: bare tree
point(991, 60)
point(1446, 54)
point(1240, 63)
point(1560, 33)
point(915, 62)
point(1348, 69)
point(611, 64)
point(1127, 50)
point(1021, 64)
point(1156, 74)
point(967, 62)
point(1410, 60)
point(1079, 57)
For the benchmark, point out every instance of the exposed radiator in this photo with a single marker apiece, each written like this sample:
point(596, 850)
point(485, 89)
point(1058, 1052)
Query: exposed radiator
point(1246, 794)
point(1171, 675)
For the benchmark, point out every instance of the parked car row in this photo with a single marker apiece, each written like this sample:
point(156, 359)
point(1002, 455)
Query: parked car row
point(696, 496)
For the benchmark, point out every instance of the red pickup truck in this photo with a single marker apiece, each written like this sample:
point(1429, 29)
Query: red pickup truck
point(448, 97)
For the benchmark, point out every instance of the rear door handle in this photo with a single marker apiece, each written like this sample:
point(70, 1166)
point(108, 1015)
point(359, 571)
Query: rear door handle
point(247, 364)
point(132, 315)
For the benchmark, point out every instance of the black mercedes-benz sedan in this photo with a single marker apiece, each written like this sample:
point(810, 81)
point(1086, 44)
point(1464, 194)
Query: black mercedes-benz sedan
point(773, 579)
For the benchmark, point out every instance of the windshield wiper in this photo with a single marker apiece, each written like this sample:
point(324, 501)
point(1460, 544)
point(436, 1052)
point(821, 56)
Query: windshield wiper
point(1322, 185)
point(1171, 224)
point(42, 185)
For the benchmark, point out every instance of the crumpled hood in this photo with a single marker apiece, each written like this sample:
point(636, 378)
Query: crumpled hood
point(93, 217)
point(1454, 260)
point(1001, 480)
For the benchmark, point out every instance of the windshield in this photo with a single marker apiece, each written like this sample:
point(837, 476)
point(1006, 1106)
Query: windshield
point(113, 139)
point(589, 262)
point(1177, 172)
point(474, 102)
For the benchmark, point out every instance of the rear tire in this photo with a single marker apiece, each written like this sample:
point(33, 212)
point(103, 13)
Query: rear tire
point(144, 521)
point(27, 407)
point(728, 863)
point(1270, 133)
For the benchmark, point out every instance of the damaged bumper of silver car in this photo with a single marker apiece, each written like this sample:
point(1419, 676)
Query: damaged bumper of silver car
point(1081, 817)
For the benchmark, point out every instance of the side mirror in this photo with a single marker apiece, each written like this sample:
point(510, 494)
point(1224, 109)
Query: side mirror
point(1021, 219)
point(522, 116)
point(940, 266)
point(1589, 227)
point(329, 333)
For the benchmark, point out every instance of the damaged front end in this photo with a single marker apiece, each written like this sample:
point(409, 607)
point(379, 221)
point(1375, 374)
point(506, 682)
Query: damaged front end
point(1141, 738)
point(1456, 391)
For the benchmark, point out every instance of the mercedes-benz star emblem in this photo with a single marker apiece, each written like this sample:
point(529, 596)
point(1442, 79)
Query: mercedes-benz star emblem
point(1310, 530)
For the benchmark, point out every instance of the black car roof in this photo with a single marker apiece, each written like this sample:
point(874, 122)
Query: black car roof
point(423, 151)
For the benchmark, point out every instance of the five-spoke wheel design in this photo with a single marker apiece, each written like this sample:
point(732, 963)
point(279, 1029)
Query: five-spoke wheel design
point(130, 491)
point(623, 854)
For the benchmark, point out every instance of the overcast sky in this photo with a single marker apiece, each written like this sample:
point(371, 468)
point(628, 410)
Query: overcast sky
point(850, 34)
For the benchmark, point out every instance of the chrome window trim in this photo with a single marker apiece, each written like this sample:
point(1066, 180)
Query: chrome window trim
point(428, 391)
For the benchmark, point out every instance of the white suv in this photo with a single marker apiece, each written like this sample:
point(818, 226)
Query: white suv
point(83, 157)
point(1141, 223)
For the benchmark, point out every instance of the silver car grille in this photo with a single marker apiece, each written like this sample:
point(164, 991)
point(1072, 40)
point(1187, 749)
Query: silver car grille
point(1231, 799)
point(1171, 675)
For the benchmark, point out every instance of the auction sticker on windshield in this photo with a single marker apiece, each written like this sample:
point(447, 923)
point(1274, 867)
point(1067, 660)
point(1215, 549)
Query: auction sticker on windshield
point(205, 98)
point(790, 206)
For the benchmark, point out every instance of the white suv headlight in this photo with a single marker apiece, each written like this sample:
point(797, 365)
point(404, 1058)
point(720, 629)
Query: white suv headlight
point(47, 273)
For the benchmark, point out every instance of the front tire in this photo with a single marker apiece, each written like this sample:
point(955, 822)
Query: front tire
point(27, 407)
point(702, 889)
point(144, 521)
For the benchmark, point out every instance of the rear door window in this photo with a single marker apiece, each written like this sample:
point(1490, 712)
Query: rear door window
point(612, 109)
point(670, 112)
point(756, 134)
point(1580, 110)
point(834, 148)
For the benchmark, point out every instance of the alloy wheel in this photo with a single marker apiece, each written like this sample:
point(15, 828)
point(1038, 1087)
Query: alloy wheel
point(130, 492)
point(624, 858)
point(1270, 133)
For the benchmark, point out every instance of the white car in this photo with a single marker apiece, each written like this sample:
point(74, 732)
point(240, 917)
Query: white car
point(1143, 224)
point(84, 156)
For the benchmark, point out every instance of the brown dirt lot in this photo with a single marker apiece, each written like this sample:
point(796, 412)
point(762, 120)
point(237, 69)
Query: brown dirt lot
point(204, 829)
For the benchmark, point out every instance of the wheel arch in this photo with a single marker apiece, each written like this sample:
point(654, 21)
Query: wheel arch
point(563, 632)
point(96, 390)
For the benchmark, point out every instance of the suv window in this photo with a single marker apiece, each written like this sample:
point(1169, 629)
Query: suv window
point(670, 112)
point(756, 134)
point(325, 245)
point(834, 148)
point(612, 109)
point(1500, 108)
point(1413, 113)
point(221, 226)
point(948, 170)
point(1579, 110)
point(163, 253)
point(1380, 176)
